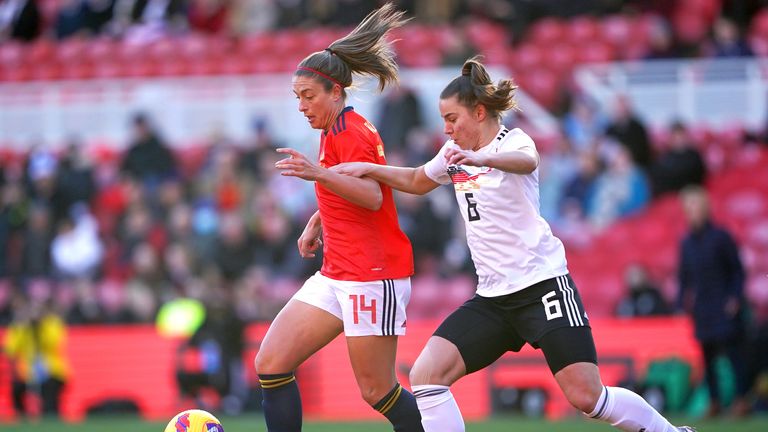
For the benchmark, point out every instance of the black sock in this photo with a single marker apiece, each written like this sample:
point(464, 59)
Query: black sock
point(281, 402)
point(399, 407)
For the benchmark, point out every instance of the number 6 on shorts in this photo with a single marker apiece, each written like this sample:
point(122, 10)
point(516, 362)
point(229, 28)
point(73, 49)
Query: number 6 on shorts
point(551, 307)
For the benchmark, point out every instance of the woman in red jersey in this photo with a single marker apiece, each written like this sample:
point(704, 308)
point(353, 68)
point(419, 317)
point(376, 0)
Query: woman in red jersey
point(364, 284)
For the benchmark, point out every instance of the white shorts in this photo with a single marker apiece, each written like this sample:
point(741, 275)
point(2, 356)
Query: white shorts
point(375, 308)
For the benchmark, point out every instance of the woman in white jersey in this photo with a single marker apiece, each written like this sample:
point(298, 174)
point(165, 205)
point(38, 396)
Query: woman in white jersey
point(524, 292)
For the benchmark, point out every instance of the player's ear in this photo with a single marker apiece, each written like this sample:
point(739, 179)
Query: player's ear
point(336, 92)
point(480, 112)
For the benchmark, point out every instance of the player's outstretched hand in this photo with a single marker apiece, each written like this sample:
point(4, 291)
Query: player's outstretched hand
point(456, 156)
point(354, 169)
point(297, 165)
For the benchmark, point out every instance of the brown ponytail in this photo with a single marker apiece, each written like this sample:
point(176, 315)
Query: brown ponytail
point(363, 51)
point(474, 87)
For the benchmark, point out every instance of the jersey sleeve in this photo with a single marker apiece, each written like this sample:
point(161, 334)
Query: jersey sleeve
point(437, 168)
point(519, 141)
point(350, 146)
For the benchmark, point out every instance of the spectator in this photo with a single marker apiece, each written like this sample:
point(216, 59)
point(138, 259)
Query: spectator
point(711, 288)
point(20, 20)
point(98, 14)
point(74, 180)
point(399, 114)
point(252, 16)
point(76, 250)
point(679, 166)
point(219, 342)
point(40, 174)
point(629, 131)
point(150, 19)
point(580, 189)
point(727, 40)
point(208, 16)
point(555, 171)
point(148, 160)
point(619, 191)
point(259, 147)
point(643, 295)
point(583, 124)
point(35, 344)
point(661, 42)
point(70, 19)
point(36, 257)
point(235, 249)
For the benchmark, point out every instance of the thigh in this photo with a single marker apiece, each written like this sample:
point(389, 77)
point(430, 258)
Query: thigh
point(480, 333)
point(298, 331)
point(568, 345)
point(375, 308)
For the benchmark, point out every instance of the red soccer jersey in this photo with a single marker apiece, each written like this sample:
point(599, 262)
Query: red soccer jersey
point(359, 244)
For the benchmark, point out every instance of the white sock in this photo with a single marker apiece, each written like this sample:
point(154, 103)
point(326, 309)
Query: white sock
point(439, 412)
point(629, 412)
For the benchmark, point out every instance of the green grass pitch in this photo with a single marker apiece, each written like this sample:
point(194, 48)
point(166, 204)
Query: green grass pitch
point(256, 424)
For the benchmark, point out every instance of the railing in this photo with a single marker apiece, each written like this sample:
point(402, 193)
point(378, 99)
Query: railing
point(717, 92)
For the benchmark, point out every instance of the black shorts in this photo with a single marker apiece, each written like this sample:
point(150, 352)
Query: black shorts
point(548, 315)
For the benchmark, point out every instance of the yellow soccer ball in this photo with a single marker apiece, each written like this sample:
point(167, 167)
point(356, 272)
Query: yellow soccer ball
point(194, 420)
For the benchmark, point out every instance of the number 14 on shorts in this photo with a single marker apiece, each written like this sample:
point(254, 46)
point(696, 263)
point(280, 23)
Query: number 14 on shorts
point(358, 305)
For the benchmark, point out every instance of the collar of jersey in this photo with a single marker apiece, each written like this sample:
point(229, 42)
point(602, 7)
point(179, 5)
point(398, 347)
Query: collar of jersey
point(500, 135)
point(346, 108)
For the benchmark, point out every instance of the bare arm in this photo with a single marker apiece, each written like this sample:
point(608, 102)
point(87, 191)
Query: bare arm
point(515, 162)
point(364, 192)
point(406, 179)
point(360, 191)
point(310, 239)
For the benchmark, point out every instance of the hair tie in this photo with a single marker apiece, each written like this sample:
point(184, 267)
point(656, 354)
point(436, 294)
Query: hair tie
point(330, 51)
point(317, 72)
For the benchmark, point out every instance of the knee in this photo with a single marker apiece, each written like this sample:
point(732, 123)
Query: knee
point(373, 391)
point(266, 364)
point(583, 396)
point(426, 373)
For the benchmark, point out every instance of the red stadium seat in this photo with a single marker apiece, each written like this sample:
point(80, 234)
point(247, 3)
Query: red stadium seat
point(12, 54)
point(71, 50)
point(256, 45)
point(41, 50)
point(547, 31)
point(759, 25)
point(318, 39)
point(583, 30)
point(290, 42)
point(541, 84)
point(484, 34)
point(561, 58)
point(617, 30)
point(690, 27)
point(597, 52)
point(527, 57)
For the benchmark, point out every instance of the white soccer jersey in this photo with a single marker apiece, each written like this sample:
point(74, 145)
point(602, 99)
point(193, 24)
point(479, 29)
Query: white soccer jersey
point(512, 246)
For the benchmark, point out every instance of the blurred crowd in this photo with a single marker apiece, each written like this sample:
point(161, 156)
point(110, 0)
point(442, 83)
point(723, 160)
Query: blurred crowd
point(112, 238)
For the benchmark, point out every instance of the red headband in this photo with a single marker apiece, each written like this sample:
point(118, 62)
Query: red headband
point(322, 75)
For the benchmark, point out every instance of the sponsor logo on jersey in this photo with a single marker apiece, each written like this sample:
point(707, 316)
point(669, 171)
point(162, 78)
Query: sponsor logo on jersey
point(370, 127)
point(462, 180)
point(380, 149)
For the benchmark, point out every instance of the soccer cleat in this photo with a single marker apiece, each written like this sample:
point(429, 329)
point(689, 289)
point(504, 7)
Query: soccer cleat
point(686, 429)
